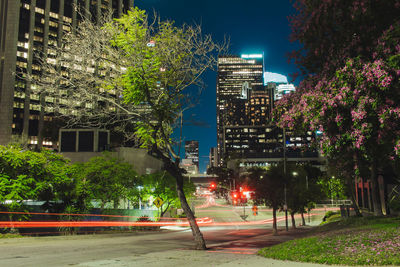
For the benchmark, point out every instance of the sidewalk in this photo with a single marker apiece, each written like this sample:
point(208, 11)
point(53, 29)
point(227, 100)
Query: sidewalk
point(192, 258)
point(223, 254)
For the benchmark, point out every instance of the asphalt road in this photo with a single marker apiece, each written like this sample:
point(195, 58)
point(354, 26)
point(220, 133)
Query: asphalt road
point(166, 248)
point(231, 242)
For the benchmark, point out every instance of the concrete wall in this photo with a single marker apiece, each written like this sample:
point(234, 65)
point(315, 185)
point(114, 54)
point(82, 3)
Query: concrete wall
point(142, 162)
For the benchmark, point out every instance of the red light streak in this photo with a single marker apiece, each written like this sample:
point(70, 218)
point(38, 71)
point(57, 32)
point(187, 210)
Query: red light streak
point(40, 224)
point(203, 222)
point(81, 214)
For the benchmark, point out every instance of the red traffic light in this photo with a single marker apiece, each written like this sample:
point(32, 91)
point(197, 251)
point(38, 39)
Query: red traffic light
point(212, 186)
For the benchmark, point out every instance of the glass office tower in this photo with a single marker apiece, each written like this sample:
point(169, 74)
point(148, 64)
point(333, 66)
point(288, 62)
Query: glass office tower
point(239, 87)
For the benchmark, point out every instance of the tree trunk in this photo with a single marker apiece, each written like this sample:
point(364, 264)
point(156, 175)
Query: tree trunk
point(293, 220)
point(354, 201)
point(174, 170)
point(274, 228)
point(198, 236)
point(375, 191)
point(162, 212)
point(303, 221)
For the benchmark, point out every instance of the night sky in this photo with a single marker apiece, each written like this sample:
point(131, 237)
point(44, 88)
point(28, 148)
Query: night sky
point(254, 26)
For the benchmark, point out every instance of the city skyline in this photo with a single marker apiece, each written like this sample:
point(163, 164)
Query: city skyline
point(265, 31)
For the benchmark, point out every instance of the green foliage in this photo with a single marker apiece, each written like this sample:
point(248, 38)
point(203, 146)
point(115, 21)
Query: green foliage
point(356, 241)
point(303, 187)
point(47, 176)
point(334, 218)
point(10, 236)
point(107, 179)
point(160, 60)
point(331, 213)
point(300, 181)
point(269, 189)
point(26, 174)
point(163, 185)
point(333, 187)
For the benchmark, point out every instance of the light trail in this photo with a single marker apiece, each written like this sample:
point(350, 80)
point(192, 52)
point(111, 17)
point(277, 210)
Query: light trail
point(81, 214)
point(180, 222)
point(51, 224)
point(203, 222)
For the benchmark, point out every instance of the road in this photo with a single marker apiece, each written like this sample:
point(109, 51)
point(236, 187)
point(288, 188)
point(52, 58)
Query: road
point(165, 248)
point(231, 242)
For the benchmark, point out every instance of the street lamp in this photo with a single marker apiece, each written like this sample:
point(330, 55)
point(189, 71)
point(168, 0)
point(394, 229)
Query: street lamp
point(284, 172)
point(140, 199)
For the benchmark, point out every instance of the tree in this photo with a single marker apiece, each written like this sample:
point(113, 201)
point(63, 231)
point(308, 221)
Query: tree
point(351, 94)
point(26, 174)
point(164, 60)
point(132, 75)
point(303, 189)
point(331, 32)
point(109, 179)
point(269, 189)
point(162, 185)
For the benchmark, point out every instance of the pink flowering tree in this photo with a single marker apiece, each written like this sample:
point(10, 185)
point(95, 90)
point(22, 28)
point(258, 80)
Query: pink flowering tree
point(352, 91)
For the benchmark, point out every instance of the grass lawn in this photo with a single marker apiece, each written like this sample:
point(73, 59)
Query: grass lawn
point(10, 236)
point(353, 241)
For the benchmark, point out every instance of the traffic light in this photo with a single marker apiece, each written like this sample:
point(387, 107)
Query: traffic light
point(255, 210)
point(235, 198)
point(212, 186)
point(244, 196)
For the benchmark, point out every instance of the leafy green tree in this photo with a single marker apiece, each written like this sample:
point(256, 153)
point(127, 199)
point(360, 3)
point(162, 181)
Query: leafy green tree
point(269, 189)
point(108, 179)
point(26, 174)
point(333, 187)
point(303, 188)
point(133, 76)
point(163, 61)
point(78, 194)
point(163, 185)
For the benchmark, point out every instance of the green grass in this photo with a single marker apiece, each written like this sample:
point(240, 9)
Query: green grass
point(354, 241)
point(10, 236)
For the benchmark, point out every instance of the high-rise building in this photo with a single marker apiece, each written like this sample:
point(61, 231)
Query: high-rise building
point(238, 77)
point(192, 152)
point(213, 158)
point(278, 84)
point(245, 100)
point(270, 77)
point(283, 89)
point(29, 28)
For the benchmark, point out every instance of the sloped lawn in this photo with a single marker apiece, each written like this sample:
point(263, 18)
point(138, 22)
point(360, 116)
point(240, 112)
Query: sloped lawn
point(354, 241)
